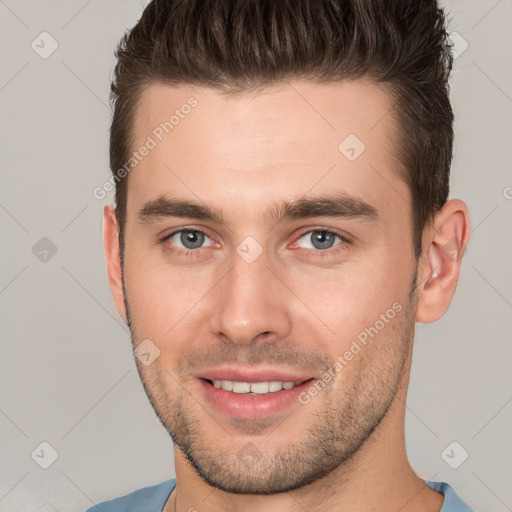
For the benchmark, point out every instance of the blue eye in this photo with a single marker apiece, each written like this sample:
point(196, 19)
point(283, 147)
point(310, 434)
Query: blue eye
point(188, 238)
point(191, 242)
point(320, 239)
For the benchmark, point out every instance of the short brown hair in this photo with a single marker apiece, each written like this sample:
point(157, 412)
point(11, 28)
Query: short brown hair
point(239, 45)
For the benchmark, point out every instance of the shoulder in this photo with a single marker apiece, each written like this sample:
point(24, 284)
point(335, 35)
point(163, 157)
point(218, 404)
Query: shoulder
point(452, 503)
point(147, 499)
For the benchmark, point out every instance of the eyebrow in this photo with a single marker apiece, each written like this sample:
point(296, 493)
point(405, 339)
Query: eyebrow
point(337, 206)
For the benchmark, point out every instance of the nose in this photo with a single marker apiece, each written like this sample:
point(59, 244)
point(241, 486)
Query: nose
point(250, 303)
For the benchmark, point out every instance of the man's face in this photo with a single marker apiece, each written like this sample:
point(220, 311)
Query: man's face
point(270, 289)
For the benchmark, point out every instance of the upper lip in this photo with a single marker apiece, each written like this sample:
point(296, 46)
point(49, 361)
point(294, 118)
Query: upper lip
point(252, 375)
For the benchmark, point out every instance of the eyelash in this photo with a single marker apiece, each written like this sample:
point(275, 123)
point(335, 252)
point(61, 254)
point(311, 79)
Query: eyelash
point(185, 252)
point(323, 253)
point(313, 253)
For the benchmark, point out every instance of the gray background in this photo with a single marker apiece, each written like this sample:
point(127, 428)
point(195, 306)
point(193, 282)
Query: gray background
point(67, 373)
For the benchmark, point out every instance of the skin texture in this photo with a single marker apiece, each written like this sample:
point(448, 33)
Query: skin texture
point(295, 307)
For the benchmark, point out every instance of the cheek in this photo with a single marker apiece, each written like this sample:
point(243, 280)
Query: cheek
point(353, 295)
point(330, 306)
point(163, 299)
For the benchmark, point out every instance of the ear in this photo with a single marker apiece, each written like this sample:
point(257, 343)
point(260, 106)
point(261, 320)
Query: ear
point(444, 244)
point(111, 246)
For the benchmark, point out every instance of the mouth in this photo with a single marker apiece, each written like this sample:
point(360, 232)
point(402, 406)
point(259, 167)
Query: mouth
point(251, 396)
point(254, 388)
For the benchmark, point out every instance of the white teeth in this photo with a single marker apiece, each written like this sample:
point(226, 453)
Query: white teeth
point(227, 385)
point(257, 388)
point(241, 387)
point(274, 386)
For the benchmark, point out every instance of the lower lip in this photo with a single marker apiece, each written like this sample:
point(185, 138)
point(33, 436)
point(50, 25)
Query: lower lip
point(252, 406)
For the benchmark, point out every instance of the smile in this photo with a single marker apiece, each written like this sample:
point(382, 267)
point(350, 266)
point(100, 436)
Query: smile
point(254, 388)
point(251, 397)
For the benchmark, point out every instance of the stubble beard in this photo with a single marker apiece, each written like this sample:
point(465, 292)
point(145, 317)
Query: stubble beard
point(334, 433)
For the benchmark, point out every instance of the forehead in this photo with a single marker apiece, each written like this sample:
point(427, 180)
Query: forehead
point(297, 107)
point(282, 141)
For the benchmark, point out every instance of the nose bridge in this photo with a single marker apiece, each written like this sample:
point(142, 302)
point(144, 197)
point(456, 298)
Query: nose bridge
point(249, 301)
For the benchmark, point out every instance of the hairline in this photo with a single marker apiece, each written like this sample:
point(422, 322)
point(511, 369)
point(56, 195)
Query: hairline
point(396, 148)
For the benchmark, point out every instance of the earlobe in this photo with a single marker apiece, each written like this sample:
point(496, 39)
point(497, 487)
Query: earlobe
point(112, 255)
point(439, 265)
